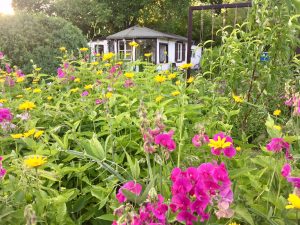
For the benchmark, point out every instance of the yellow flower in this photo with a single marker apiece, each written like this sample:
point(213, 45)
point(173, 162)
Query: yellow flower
point(238, 148)
point(185, 66)
point(29, 133)
point(49, 98)
point(38, 134)
point(148, 54)
point(237, 98)
point(19, 96)
point(36, 80)
point(159, 98)
point(73, 90)
point(98, 55)
point(83, 49)
point(190, 80)
point(62, 49)
point(175, 93)
point(108, 56)
point(27, 105)
point(89, 86)
point(27, 89)
point(33, 161)
point(37, 90)
point(177, 82)
point(107, 64)
point(219, 144)
point(38, 69)
point(171, 76)
point(2, 100)
point(133, 44)
point(77, 80)
point(108, 94)
point(160, 78)
point(16, 136)
point(2, 80)
point(234, 223)
point(277, 112)
point(129, 75)
point(95, 63)
point(99, 72)
point(119, 63)
point(20, 79)
point(294, 201)
point(276, 127)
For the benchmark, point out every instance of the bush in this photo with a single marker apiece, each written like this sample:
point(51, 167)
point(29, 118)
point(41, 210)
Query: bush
point(37, 37)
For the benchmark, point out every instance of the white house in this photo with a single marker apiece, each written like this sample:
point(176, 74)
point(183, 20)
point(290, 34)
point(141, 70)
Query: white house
point(166, 49)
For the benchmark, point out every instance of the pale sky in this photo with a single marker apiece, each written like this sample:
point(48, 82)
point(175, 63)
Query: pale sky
point(5, 7)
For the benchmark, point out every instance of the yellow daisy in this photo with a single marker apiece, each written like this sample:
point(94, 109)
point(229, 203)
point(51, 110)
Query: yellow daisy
point(34, 161)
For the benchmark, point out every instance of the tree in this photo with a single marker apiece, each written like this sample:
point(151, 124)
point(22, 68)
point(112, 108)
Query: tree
point(37, 37)
point(32, 5)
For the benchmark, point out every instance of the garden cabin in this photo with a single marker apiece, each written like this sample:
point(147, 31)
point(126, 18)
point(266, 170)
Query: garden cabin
point(166, 49)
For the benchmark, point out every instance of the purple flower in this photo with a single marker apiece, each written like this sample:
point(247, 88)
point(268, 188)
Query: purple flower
point(187, 217)
point(295, 181)
point(20, 73)
point(286, 170)
point(1, 55)
point(8, 69)
point(60, 73)
point(165, 140)
point(85, 93)
point(2, 170)
point(5, 115)
point(9, 81)
point(99, 101)
point(131, 186)
point(277, 145)
point(66, 65)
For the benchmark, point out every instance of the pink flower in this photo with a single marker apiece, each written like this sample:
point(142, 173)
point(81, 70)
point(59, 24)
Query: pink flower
point(131, 186)
point(286, 170)
point(20, 73)
point(222, 143)
point(85, 93)
point(9, 81)
point(5, 115)
point(8, 69)
point(99, 101)
point(187, 217)
point(1, 55)
point(128, 83)
point(199, 139)
point(2, 170)
point(278, 145)
point(165, 140)
point(295, 181)
point(60, 73)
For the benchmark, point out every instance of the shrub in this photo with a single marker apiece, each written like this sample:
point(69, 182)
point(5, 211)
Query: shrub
point(37, 37)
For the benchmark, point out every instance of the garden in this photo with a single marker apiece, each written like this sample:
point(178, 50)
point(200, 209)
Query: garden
point(100, 142)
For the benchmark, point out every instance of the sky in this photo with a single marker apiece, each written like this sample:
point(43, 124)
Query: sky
point(5, 7)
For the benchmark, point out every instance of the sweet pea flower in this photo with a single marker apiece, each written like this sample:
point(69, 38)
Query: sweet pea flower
point(5, 115)
point(286, 170)
point(131, 186)
point(165, 140)
point(60, 73)
point(85, 93)
point(199, 139)
point(222, 143)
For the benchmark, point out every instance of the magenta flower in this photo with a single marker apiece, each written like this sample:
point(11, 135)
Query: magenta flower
point(5, 115)
point(85, 93)
point(2, 170)
point(60, 73)
point(131, 186)
point(222, 143)
point(99, 101)
point(20, 73)
point(9, 81)
point(295, 181)
point(196, 188)
point(1, 55)
point(8, 69)
point(278, 145)
point(286, 170)
point(165, 140)
point(200, 139)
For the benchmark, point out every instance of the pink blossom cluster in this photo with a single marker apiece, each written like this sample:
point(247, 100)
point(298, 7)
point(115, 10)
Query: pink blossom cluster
point(200, 139)
point(278, 145)
point(150, 212)
point(286, 172)
point(128, 83)
point(196, 188)
point(158, 137)
point(227, 151)
point(5, 115)
point(65, 72)
point(294, 101)
point(2, 170)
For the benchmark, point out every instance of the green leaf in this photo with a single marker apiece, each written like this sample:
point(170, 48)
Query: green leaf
point(108, 217)
point(244, 213)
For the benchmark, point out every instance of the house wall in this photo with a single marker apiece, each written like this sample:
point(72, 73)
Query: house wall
point(92, 45)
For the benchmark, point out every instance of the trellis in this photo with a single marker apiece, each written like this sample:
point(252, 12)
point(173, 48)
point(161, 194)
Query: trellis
point(207, 7)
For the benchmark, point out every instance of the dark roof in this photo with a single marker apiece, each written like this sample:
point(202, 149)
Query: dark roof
point(143, 32)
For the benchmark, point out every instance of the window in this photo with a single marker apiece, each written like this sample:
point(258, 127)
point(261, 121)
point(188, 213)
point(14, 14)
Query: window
point(146, 46)
point(179, 52)
point(163, 53)
point(99, 49)
point(124, 49)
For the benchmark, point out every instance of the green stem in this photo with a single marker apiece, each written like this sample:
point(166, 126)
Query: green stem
point(149, 167)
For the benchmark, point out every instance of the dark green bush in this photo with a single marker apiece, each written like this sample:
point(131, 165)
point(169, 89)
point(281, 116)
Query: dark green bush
point(37, 37)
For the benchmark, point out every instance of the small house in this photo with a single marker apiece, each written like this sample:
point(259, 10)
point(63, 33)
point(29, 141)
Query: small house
point(166, 49)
